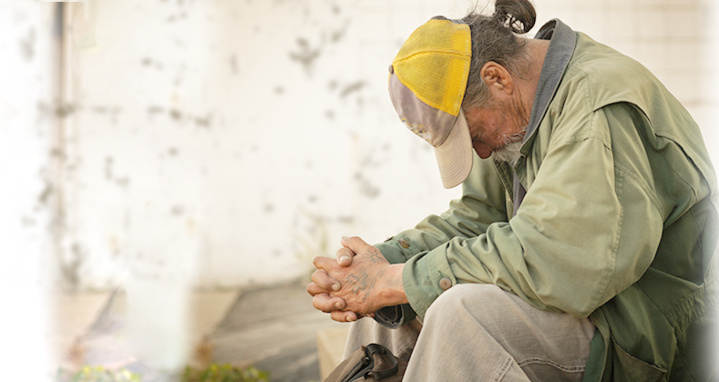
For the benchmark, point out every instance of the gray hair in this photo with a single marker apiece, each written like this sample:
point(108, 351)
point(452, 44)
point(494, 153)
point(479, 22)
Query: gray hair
point(494, 38)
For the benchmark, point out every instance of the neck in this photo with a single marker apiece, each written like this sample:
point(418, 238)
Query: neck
point(537, 50)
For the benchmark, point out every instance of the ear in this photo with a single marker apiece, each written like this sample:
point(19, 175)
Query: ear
point(497, 78)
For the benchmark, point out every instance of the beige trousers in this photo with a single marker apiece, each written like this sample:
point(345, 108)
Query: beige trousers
point(478, 332)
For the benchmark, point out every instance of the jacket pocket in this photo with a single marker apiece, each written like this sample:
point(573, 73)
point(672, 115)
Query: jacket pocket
point(630, 368)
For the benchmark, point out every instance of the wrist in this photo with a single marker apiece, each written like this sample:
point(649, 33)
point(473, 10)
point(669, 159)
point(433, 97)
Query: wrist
point(392, 286)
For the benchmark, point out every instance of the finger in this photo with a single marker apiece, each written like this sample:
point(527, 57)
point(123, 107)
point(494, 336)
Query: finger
point(344, 316)
point(321, 262)
point(328, 304)
point(324, 281)
point(354, 243)
point(344, 257)
point(314, 289)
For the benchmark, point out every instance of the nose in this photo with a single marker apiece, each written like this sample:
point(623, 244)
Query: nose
point(484, 151)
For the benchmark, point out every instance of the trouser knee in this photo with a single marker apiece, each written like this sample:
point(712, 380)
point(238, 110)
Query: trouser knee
point(461, 297)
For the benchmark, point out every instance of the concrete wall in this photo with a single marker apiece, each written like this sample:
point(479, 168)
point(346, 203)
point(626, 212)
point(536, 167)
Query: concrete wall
point(225, 143)
point(231, 142)
point(28, 42)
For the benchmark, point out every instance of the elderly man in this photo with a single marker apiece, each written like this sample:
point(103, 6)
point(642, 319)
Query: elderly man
point(582, 249)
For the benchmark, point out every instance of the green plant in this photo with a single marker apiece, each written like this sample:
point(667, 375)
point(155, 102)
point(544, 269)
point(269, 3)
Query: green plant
point(97, 374)
point(224, 373)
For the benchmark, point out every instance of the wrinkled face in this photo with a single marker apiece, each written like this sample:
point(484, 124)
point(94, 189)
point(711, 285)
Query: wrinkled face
point(497, 129)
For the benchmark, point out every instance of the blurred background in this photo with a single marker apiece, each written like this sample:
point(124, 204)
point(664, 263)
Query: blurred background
point(166, 148)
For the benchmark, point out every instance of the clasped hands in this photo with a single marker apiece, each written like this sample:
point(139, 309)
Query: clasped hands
point(357, 283)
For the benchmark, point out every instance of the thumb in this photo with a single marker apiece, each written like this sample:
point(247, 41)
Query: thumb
point(354, 243)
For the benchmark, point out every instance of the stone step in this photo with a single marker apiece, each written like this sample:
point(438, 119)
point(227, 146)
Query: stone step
point(330, 347)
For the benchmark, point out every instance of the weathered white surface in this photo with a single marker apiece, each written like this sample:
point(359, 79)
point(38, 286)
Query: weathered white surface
point(26, 135)
point(231, 141)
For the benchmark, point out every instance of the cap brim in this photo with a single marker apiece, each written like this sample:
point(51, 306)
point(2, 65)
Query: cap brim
point(454, 155)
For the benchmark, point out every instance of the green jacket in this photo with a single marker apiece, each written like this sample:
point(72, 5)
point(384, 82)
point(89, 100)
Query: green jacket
point(618, 224)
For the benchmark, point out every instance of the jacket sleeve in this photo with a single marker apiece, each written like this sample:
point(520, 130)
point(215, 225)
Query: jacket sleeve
point(483, 202)
point(587, 229)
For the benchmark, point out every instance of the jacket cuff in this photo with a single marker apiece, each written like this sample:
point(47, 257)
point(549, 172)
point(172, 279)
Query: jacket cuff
point(395, 316)
point(398, 249)
point(425, 277)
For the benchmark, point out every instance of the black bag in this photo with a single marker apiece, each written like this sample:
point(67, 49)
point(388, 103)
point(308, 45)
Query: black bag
point(373, 362)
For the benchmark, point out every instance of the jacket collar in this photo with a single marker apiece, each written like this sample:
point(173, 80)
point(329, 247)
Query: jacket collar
point(562, 40)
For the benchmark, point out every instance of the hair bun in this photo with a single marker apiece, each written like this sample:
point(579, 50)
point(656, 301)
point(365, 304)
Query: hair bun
point(518, 15)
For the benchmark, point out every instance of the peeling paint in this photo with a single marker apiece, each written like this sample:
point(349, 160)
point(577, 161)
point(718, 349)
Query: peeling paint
point(45, 194)
point(203, 121)
point(351, 88)
point(112, 111)
point(123, 182)
point(233, 65)
point(177, 210)
point(305, 55)
point(176, 115)
point(153, 110)
point(58, 110)
point(27, 46)
point(58, 153)
point(268, 208)
point(337, 35)
point(70, 268)
point(365, 187)
point(108, 168)
point(147, 61)
point(345, 219)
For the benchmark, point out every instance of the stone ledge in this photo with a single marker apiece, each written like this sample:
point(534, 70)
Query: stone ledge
point(330, 347)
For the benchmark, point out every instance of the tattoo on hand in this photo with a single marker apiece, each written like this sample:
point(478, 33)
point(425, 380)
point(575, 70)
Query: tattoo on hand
point(359, 284)
point(375, 256)
point(362, 283)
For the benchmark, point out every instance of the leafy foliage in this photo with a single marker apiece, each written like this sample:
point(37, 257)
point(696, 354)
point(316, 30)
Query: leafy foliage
point(224, 373)
point(97, 374)
point(213, 373)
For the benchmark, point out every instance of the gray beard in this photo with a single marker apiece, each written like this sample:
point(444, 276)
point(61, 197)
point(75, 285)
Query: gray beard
point(510, 152)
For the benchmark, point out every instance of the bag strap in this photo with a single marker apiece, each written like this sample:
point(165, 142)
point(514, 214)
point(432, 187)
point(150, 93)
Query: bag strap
point(365, 363)
point(362, 365)
point(373, 349)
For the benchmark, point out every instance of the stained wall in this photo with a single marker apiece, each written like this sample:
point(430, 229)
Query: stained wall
point(228, 142)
